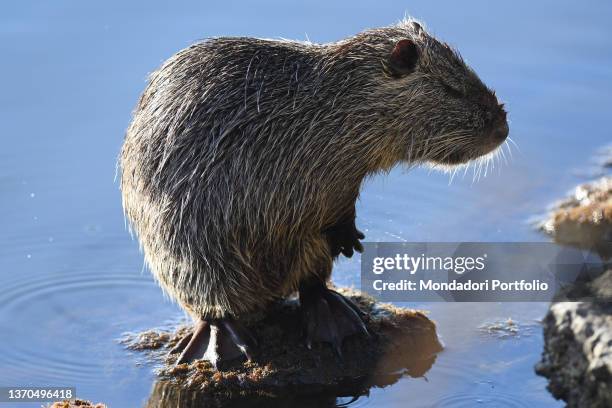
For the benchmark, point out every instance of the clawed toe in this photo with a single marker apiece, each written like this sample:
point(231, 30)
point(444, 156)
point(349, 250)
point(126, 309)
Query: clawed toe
point(329, 317)
point(240, 338)
point(344, 239)
point(194, 345)
point(182, 343)
point(218, 341)
point(351, 304)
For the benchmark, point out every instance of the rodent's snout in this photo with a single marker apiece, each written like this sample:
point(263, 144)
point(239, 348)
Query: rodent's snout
point(496, 130)
point(498, 125)
point(500, 132)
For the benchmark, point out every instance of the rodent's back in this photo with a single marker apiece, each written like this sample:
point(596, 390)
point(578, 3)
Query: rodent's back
point(245, 123)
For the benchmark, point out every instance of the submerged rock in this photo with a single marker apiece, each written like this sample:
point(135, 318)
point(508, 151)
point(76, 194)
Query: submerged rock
point(504, 329)
point(402, 342)
point(577, 357)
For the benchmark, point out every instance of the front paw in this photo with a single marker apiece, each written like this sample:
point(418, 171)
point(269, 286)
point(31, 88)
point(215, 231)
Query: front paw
point(344, 239)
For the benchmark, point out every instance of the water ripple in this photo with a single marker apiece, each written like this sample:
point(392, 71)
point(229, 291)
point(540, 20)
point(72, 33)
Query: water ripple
point(468, 400)
point(48, 322)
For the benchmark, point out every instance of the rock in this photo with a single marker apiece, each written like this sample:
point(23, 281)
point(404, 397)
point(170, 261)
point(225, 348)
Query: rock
point(585, 218)
point(577, 356)
point(76, 403)
point(148, 340)
point(402, 342)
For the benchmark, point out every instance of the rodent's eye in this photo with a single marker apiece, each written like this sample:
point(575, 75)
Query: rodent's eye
point(403, 58)
point(452, 91)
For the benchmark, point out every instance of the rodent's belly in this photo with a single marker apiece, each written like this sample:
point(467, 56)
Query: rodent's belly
point(240, 281)
point(221, 249)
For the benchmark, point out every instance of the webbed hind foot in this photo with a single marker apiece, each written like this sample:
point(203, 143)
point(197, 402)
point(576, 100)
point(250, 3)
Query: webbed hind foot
point(329, 317)
point(218, 341)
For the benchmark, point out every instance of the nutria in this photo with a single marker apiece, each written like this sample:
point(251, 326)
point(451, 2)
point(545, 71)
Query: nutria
point(244, 159)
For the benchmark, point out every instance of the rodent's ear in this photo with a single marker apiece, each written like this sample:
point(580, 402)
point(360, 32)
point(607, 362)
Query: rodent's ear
point(403, 58)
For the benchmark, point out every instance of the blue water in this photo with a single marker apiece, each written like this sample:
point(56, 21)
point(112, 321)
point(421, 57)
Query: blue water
point(71, 278)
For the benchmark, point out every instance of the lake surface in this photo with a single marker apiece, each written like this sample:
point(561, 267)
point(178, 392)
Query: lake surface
point(72, 280)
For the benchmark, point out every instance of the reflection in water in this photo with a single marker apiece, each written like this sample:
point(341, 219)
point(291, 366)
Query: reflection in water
point(167, 393)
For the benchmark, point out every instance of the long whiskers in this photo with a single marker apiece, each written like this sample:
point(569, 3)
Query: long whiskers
point(437, 149)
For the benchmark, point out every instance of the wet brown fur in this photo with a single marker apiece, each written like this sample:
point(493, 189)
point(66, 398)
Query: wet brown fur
point(242, 151)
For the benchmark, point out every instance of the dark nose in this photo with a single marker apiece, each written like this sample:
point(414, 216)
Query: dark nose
point(500, 131)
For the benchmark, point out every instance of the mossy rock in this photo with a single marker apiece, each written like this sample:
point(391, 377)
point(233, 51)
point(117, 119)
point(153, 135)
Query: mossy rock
point(402, 342)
